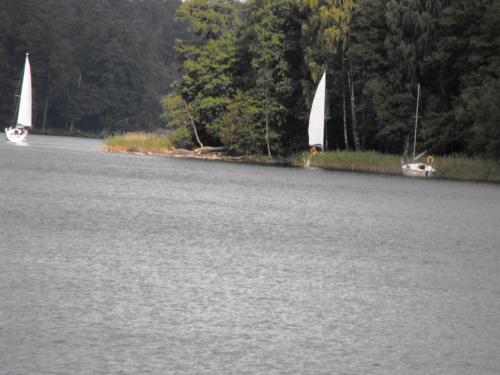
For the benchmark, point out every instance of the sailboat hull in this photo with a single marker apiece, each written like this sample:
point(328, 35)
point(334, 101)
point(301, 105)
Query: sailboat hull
point(16, 135)
point(418, 170)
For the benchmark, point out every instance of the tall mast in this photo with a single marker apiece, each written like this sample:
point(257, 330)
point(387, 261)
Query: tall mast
point(416, 122)
point(325, 142)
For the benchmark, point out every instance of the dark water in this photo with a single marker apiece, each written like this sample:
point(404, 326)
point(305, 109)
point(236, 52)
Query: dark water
point(125, 264)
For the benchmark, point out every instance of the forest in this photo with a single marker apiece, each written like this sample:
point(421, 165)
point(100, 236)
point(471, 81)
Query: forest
point(242, 75)
point(97, 66)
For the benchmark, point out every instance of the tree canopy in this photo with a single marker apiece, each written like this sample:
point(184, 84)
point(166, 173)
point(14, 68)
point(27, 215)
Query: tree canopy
point(243, 74)
point(96, 64)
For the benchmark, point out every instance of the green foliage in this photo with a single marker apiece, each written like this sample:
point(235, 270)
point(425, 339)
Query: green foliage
point(182, 138)
point(205, 64)
point(480, 106)
point(467, 73)
point(326, 30)
point(240, 130)
point(95, 64)
point(267, 46)
point(395, 121)
point(106, 65)
point(412, 36)
point(209, 19)
point(176, 114)
point(479, 102)
point(446, 135)
point(367, 59)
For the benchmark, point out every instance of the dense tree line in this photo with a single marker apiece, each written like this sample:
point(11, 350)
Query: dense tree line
point(249, 75)
point(245, 72)
point(97, 65)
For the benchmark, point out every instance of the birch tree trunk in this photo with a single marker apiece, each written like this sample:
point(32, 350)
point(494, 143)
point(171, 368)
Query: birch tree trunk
point(267, 121)
point(344, 105)
point(192, 122)
point(353, 109)
point(45, 110)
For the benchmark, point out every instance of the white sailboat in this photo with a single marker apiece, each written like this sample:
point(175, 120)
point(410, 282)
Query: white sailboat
point(20, 132)
point(317, 118)
point(417, 169)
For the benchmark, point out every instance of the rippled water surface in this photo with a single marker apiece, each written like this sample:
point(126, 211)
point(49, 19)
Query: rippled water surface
point(126, 264)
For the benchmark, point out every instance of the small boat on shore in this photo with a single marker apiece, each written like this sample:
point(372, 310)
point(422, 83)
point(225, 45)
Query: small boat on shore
point(417, 169)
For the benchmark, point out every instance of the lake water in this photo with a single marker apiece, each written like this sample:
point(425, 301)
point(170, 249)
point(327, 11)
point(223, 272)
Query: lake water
point(128, 264)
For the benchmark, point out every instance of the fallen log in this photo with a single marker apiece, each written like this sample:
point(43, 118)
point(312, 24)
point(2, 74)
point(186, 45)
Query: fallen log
point(209, 149)
point(180, 151)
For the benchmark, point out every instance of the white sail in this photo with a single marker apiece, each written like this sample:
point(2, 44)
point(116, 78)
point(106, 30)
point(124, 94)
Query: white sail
point(24, 115)
point(317, 116)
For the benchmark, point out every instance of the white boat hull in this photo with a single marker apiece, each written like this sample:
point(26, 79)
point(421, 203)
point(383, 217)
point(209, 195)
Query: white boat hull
point(418, 170)
point(16, 135)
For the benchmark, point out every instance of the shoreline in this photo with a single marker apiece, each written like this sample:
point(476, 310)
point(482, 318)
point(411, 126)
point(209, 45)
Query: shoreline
point(293, 162)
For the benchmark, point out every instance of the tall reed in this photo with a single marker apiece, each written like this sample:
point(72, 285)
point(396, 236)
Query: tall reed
point(468, 168)
point(370, 162)
point(139, 143)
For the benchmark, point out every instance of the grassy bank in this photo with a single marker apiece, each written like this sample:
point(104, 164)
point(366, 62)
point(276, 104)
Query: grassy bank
point(469, 169)
point(139, 143)
point(370, 162)
point(449, 167)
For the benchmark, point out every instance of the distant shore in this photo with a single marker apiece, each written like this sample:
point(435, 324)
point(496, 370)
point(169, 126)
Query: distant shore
point(68, 133)
point(452, 167)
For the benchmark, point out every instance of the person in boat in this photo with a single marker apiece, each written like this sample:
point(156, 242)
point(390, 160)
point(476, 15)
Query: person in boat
point(405, 155)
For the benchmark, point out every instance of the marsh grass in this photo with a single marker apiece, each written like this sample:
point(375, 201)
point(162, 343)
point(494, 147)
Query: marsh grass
point(449, 167)
point(467, 168)
point(139, 143)
point(452, 167)
point(368, 162)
